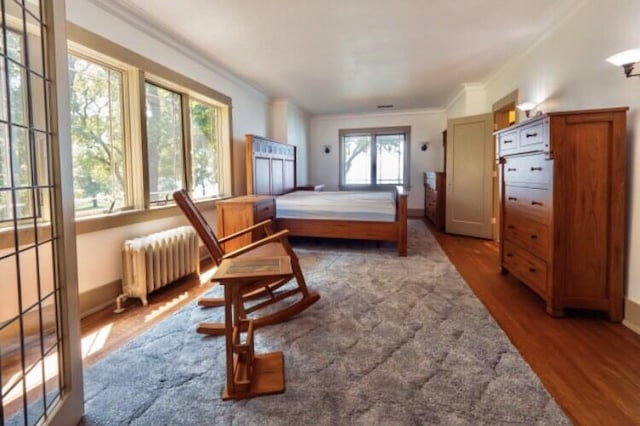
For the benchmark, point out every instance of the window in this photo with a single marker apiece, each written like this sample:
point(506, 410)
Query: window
point(372, 158)
point(97, 133)
point(16, 154)
point(165, 159)
point(205, 152)
point(138, 136)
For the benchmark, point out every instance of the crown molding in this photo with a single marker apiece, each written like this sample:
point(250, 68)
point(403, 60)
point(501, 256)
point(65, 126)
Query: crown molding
point(135, 16)
point(403, 112)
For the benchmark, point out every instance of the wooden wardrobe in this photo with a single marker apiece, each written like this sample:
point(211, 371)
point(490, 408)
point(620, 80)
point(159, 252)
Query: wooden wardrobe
point(563, 208)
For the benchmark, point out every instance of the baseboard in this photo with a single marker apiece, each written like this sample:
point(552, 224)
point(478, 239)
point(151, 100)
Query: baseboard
point(632, 315)
point(100, 297)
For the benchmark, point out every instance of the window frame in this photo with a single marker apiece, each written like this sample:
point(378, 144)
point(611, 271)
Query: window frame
point(183, 143)
point(373, 133)
point(127, 74)
point(140, 71)
point(39, 200)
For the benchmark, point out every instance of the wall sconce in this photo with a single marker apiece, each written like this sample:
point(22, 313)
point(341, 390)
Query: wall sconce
point(626, 60)
point(424, 146)
point(526, 107)
point(327, 149)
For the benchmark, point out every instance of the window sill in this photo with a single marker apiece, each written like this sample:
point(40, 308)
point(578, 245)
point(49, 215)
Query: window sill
point(88, 224)
point(130, 217)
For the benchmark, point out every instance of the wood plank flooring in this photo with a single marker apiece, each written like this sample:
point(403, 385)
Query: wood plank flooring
point(589, 365)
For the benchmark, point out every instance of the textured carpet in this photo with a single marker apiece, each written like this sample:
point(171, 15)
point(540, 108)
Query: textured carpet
point(392, 341)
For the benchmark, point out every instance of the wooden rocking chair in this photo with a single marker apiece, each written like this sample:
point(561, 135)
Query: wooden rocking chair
point(273, 244)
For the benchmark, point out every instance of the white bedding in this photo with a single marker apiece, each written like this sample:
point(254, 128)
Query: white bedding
point(345, 205)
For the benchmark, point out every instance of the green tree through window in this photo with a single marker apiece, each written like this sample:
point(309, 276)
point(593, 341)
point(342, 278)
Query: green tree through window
point(204, 150)
point(17, 161)
point(371, 158)
point(164, 142)
point(97, 136)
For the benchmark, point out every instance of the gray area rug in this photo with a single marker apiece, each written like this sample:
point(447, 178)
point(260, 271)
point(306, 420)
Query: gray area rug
point(392, 341)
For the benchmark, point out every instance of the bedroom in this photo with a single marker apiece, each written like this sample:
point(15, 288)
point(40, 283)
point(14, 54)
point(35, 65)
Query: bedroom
point(586, 36)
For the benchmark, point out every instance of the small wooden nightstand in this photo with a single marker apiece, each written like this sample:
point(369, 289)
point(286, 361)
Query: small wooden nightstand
point(311, 187)
point(236, 214)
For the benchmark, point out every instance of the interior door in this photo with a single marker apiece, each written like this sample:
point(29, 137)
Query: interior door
point(469, 176)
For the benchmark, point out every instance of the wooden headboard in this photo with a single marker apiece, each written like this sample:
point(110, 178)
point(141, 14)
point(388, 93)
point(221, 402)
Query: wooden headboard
point(271, 166)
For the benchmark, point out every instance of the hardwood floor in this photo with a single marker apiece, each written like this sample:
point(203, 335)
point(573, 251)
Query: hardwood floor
point(105, 331)
point(589, 365)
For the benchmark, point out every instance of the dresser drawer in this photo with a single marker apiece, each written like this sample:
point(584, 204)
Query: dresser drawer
point(264, 210)
point(533, 236)
point(532, 170)
point(526, 267)
point(532, 138)
point(530, 203)
point(508, 142)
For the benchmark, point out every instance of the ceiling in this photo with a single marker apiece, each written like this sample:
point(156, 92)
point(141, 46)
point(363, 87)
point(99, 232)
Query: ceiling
point(349, 56)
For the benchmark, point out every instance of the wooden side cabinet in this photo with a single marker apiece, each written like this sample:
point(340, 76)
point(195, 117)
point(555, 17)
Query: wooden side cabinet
point(563, 208)
point(434, 198)
point(236, 214)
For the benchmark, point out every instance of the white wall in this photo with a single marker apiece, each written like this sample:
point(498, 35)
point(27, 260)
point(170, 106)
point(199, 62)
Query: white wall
point(426, 125)
point(567, 70)
point(290, 124)
point(99, 252)
point(471, 100)
point(298, 135)
point(279, 119)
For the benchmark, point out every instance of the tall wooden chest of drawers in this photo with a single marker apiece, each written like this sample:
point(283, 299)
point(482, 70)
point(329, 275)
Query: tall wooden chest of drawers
point(562, 198)
point(236, 214)
point(434, 198)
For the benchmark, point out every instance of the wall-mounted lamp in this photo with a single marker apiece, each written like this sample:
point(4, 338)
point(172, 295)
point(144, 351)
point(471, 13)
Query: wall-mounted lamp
point(526, 107)
point(626, 60)
point(424, 146)
point(327, 149)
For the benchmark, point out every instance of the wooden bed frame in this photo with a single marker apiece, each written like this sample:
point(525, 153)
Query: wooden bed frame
point(271, 170)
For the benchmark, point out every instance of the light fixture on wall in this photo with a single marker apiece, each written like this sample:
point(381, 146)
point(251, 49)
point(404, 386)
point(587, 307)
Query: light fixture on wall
point(526, 107)
point(626, 60)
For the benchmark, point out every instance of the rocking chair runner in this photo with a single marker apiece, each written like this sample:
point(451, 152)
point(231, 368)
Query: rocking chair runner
point(274, 244)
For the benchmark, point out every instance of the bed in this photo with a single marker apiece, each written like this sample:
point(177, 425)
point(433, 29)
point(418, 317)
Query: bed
point(271, 170)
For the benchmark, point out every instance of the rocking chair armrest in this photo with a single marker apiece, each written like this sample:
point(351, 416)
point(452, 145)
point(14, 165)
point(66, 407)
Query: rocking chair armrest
point(236, 234)
point(266, 240)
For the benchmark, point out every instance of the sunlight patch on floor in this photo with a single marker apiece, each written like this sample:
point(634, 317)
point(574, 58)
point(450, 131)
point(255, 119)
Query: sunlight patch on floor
point(165, 307)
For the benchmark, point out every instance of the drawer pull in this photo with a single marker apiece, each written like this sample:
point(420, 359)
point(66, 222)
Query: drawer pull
point(511, 169)
point(534, 237)
point(512, 199)
point(532, 269)
point(508, 141)
point(511, 227)
point(536, 169)
point(532, 135)
point(536, 203)
point(509, 255)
